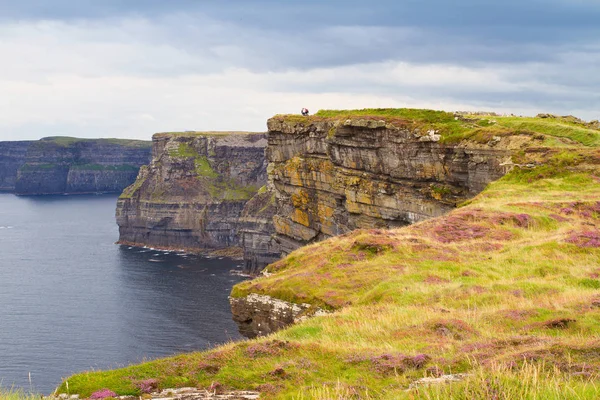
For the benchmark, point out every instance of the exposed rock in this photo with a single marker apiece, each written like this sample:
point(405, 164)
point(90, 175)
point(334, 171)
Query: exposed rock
point(12, 157)
point(330, 177)
point(256, 229)
point(560, 323)
point(258, 315)
point(438, 380)
point(179, 394)
point(192, 194)
point(62, 165)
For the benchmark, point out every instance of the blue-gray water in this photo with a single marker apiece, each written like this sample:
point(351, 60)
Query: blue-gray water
point(72, 300)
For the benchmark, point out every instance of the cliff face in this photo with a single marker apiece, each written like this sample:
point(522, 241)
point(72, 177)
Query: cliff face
point(12, 157)
point(68, 165)
point(333, 176)
point(256, 229)
point(192, 194)
point(330, 176)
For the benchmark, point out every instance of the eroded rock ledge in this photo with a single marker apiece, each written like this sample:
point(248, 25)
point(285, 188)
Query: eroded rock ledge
point(258, 315)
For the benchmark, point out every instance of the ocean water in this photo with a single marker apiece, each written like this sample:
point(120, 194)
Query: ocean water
point(71, 300)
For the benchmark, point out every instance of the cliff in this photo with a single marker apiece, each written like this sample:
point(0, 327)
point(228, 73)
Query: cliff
point(334, 175)
point(498, 298)
point(192, 194)
point(337, 172)
point(12, 157)
point(63, 165)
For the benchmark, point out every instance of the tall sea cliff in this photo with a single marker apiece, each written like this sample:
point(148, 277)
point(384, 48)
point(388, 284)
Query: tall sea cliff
point(334, 175)
point(193, 193)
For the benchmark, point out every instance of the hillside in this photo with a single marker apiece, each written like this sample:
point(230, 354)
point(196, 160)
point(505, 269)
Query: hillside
point(502, 294)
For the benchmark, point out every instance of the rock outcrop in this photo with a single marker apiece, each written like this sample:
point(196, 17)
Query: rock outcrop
point(258, 315)
point(332, 176)
point(192, 194)
point(63, 165)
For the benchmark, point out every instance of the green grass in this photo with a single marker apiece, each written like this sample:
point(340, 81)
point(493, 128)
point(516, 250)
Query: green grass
point(453, 129)
point(184, 150)
point(230, 190)
point(411, 114)
point(583, 135)
point(486, 306)
point(203, 168)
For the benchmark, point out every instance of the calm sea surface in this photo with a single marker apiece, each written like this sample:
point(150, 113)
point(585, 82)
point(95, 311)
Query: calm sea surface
point(72, 300)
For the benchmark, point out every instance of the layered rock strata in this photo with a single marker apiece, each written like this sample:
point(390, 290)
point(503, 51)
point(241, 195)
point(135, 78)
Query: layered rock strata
point(12, 157)
point(330, 177)
point(256, 230)
point(63, 165)
point(192, 194)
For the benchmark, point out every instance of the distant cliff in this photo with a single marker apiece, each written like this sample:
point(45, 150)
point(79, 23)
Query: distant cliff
point(12, 157)
point(64, 165)
point(193, 193)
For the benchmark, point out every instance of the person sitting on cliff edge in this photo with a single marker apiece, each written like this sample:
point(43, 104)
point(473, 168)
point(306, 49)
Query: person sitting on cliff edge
point(304, 111)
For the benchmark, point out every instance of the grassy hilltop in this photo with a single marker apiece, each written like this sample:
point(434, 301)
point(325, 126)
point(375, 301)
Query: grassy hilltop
point(505, 289)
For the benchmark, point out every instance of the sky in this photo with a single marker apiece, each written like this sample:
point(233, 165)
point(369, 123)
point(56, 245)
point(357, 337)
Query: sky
point(130, 68)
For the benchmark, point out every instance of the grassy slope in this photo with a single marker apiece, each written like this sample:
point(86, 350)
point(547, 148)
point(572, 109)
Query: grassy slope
point(505, 288)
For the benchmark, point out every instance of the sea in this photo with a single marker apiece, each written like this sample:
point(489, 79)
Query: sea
point(72, 300)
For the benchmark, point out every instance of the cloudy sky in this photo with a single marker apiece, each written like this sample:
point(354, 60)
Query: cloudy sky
point(129, 68)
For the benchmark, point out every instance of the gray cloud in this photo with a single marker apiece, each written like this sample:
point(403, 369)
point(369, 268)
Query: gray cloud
point(131, 67)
